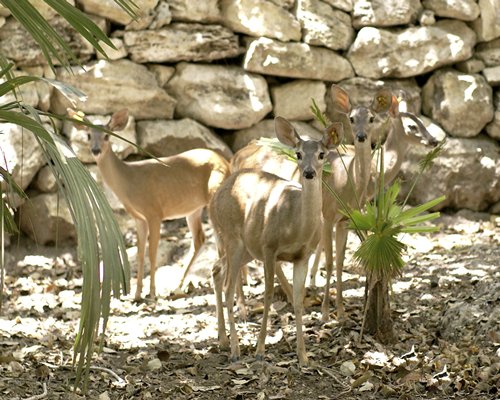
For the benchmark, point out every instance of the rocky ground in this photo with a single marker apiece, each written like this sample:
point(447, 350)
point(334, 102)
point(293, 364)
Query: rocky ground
point(446, 308)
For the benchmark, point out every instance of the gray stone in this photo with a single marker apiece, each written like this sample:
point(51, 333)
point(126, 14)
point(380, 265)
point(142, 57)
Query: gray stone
point(493, 128)
point(487, 26)
point(113, 85)
point(47, 221)
point(461, 103)
point(294, 100)
point(296, 60)
point(113, 54)
point(344, 5)
point(109, 9)
point(489, 52)
point(384, 13)
point(413, 51)
point(471, 66)
point(182, 42)
point(164, 138)
point(323, 25)
point(45, 181)
point(206, 11)
point(467, 171)
point(492, 75)
point(162, 73)
point(219, 96)
point(465, 10)
point(260, 18)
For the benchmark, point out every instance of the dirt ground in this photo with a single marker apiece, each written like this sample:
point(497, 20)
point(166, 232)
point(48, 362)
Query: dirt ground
point(446, 308)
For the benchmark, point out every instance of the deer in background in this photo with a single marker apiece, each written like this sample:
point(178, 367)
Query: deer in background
point(258, 215)
point(155, 190)
point(398, 142)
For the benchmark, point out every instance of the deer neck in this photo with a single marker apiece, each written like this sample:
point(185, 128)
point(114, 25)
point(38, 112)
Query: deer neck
point(311, 204)
point(362, 167)
point(113, 170)
point(395, 150)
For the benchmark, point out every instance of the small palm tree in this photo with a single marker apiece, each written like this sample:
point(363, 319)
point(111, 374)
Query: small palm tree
point(99, 238)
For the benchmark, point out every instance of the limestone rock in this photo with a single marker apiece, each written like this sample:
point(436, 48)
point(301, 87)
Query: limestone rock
point(413, 51)
point(344, 5)
point(206, 11)
point(113, 85)
point(295, 60)
point(471, 66)
point(113, 54)
point(382, 13)
point(182, 42)
point(323, 25)
point(47, 221)
point(219, 96)
point(45, 181)
point(17, 45)
point(265, 128)
point(21, 154)
point(45, 10)
point(162, 73)
point(493, 128)
point(489, 52)
point(164, 138)
point(293, 100)
point(467, 171)
point(260, 18)
point(79, 142)
point(109, 9)
point(465, 10)
point(487, 26)
point(492, 75)
point(461, 103)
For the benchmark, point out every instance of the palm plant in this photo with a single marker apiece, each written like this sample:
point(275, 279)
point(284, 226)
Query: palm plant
point(99, 238)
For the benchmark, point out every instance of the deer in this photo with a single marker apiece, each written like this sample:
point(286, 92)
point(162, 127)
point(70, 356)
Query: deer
point(364, 173)
point(154, 190)
point(258, 215)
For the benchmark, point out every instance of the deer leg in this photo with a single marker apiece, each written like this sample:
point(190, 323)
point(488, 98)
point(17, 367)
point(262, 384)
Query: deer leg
point(299, 281)
point(269, 271)
point(142, 234)
point(218, 277)
point(285, 285)
point(326, 239)
point(154, 239)
point(340, 246)
point(196, 229)
point(234, 254)
point(315, 267)
point(240, 294)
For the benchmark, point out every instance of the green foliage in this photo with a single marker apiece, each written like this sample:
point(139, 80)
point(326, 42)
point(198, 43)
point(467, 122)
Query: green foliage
point(101, 249)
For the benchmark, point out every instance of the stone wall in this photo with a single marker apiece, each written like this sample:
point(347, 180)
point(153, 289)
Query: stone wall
point(213, 73)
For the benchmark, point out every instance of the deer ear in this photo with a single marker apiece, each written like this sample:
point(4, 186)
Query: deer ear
point(394, 108)
point(285, 132)
point(340, 98)
point(382, 101)
point(118, 120)
point(333, 135)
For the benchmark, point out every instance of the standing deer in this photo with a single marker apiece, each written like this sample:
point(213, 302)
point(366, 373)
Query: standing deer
point(364, 173)
point(258, 215)
point(155, 190)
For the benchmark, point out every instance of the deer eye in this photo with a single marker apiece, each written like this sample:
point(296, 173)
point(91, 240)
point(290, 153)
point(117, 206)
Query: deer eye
point(321, 155)
point(88, 137)
point(371, 120)
point(351, 119)
point(299, 155)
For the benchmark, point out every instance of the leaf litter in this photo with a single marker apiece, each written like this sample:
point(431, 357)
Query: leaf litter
point(446, 308)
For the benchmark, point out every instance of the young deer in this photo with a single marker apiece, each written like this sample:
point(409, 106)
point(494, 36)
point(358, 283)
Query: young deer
point(257, 215)
point(398, 142)
point(152, 191)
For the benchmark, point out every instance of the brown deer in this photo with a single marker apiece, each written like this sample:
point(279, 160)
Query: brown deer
point(258, 215)
point(154, 190)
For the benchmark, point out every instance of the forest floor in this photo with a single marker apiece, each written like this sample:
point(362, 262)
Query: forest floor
point(445, 306)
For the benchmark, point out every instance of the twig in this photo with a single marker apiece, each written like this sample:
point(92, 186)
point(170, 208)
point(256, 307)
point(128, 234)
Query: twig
point(112, 373)
point(40, 396)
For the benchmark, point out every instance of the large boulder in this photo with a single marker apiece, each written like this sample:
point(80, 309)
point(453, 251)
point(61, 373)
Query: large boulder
point(113, 85)
point(164, 138)
point(293, 100)
point(487, 26)
point(295, 60)
point(181, 42)
point(110, 9)
point(219, 96)
point(461, 103)
point(465, 10)
point(206, 11)
point(384, 13)
point(46, 220)
point(260, 18)
point(467, 171)
point(489, 53)
point(323, 25)
point(413, 51)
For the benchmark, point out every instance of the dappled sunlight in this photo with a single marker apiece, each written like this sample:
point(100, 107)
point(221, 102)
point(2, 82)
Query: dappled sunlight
point(471, 88)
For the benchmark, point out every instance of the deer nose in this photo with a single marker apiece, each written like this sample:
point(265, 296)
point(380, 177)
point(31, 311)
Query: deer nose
point(361, 136)
point(95, 151)
point(309, 173)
